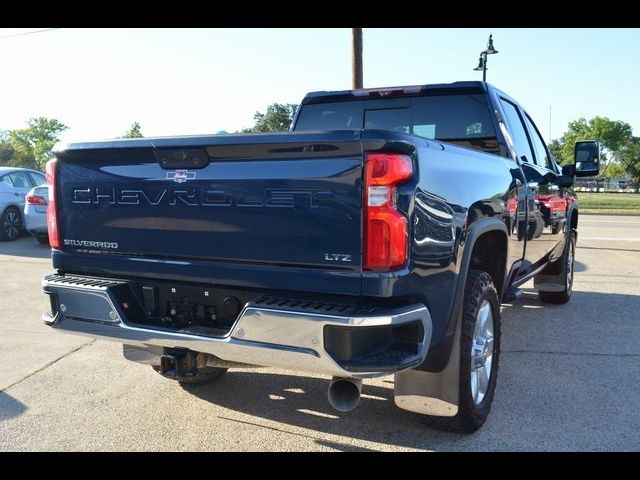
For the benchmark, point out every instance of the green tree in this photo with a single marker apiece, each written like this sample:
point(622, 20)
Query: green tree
point(612, 134)
point(277, 118)
point(615, 169)
point(8, 155)
point(134, 131)
point(556, 150)
point(6, 152)
point(32, 145)
point(630, 160)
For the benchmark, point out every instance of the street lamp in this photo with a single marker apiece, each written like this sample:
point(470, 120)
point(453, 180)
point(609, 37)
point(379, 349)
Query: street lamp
point(482, 61)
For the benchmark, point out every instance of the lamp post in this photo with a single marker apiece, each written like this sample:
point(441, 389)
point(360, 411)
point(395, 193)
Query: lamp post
point(482, 61)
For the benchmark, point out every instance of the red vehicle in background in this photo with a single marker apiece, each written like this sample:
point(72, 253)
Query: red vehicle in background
point(554, 209)
point(546, 210)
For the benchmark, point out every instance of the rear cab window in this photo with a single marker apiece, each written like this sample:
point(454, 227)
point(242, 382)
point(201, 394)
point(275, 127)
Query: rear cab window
point(461, 119)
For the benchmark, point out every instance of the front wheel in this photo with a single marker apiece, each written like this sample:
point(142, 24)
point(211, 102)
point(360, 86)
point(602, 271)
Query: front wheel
point(479, 355)
point(10, 224)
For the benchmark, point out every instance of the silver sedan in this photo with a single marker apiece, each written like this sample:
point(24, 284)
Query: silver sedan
point(35, 213)
point(15, 184)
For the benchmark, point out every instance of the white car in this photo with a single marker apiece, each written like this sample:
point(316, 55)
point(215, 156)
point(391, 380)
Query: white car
point(35, 213)
point(15, 184)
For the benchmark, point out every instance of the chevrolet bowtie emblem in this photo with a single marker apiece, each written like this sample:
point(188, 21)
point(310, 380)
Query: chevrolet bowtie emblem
point(181, 176)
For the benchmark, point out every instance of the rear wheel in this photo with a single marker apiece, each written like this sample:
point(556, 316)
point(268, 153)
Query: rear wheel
point(479, 356)
point(10, 224)
point(566, 262)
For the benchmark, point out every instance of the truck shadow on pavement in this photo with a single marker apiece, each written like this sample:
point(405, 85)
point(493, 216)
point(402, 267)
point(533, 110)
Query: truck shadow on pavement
point(538, 400)
point(301, 402)
point(10, 407)
point(579, 266)
point(25, 246)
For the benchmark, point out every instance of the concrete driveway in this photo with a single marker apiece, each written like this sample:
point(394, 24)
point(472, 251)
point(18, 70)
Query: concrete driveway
point(568, 378)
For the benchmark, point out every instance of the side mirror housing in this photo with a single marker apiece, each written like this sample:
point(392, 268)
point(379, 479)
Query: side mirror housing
point(586, 156)
point(569, 169)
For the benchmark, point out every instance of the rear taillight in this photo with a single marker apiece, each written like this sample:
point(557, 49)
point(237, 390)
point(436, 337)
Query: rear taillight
point(52, 211)
point(36, 200)
point(385, 228)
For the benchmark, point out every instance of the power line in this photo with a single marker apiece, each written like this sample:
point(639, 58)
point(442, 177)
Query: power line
point(27, 33)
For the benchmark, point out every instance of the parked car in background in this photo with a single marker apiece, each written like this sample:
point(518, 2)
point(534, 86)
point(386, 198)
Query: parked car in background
point(15, 184)
point(35, 213)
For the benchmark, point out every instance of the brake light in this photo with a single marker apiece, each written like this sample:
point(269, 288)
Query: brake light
point(52, 211)
point(385, 228)
point(36, 200)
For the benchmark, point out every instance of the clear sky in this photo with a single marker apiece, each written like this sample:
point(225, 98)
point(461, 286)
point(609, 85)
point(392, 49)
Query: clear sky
point(195, 81)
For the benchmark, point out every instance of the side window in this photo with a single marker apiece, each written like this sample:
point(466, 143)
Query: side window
point(7, 181)
point(37, 179)
point(542, 155)
point(517, 130)
point(20, 179)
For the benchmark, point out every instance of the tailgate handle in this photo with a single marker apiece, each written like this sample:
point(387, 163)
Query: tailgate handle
point(182, 158)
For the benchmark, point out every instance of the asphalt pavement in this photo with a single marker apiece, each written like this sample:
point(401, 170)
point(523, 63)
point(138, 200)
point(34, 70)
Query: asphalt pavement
point(568, 380)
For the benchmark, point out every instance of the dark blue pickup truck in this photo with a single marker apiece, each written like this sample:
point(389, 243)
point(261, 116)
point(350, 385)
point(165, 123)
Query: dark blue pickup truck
point(379, 237)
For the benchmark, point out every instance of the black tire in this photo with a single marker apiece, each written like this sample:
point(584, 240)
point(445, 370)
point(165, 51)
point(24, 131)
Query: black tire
point(44, 239)
point(203, 375)
point(10, 224)
point(471, 416)
point(555, 228)
point(538, 229)
point(566, 263)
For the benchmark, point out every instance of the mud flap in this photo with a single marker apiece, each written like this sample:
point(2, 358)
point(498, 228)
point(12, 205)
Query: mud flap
point(431, 393)
point(546, 282)
point(552, 278)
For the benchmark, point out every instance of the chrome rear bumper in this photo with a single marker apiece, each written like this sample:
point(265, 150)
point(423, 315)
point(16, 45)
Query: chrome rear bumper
point(262, 335)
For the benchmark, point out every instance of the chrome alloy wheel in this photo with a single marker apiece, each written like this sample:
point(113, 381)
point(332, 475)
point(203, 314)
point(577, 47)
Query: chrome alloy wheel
point(481, 353)
point(11, 224)
point(570, 267)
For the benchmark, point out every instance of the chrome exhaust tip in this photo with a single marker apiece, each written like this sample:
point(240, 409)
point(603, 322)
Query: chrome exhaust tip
point(344, 393)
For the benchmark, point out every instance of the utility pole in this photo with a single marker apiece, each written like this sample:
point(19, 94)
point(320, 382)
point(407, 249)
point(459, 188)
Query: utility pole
point(356, 58)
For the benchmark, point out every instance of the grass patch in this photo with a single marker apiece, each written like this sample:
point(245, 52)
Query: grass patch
point(610, 203)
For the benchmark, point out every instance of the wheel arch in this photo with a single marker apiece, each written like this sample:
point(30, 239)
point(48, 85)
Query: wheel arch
point(480, 235)
point(573, 217)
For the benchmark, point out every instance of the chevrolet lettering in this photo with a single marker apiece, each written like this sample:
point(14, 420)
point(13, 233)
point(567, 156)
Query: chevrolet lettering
point(206, 197)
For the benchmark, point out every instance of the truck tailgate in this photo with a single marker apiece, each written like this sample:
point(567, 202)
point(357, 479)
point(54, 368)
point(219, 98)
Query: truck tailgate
point(278, 199)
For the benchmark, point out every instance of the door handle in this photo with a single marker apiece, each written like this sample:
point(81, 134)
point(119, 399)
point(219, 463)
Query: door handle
point(16, 194)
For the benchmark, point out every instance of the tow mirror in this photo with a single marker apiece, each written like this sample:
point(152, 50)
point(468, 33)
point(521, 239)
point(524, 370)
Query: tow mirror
point(587, 158)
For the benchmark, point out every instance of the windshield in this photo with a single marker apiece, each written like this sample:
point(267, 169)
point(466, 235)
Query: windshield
point(461, 119)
